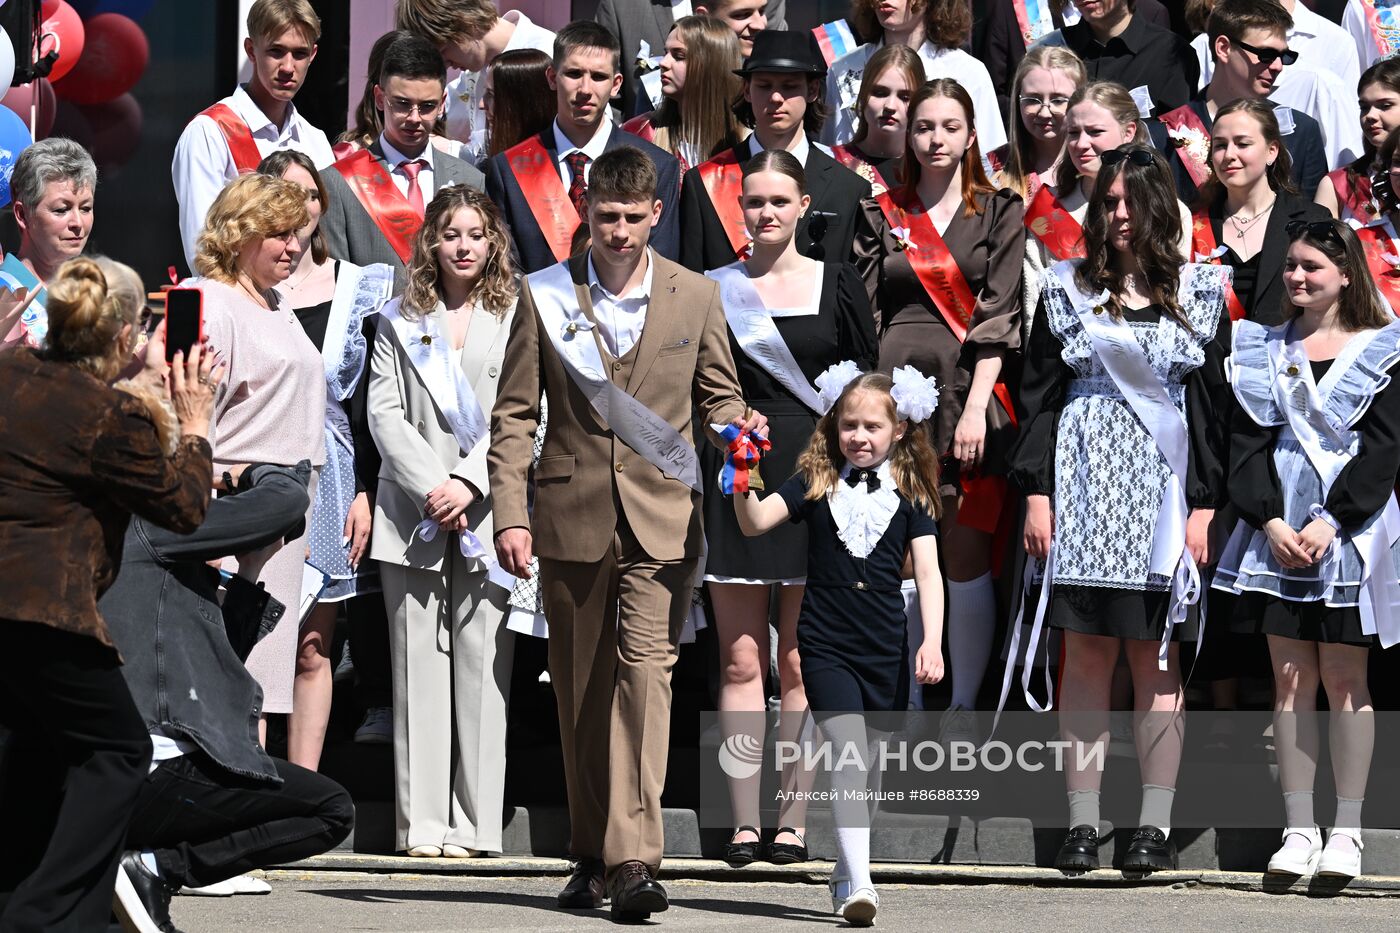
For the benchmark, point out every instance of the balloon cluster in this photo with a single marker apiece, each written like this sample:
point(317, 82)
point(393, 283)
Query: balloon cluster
point(101, 54)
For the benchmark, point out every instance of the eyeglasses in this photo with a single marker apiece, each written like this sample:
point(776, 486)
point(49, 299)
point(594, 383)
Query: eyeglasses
point(1136, 155)
point(1268, 56)
point(1318, 229)
point(404, 107)
point(1034, 104)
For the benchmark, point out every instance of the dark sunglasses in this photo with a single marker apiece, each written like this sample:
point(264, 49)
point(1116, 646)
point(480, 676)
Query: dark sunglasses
point(1268, 56)
point(1136, 155)
point(1318, 229)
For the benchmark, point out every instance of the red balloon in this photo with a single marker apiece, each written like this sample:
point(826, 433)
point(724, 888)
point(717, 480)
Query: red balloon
point(115, 58)
point(61, 31)
point(116, 130)
point(19, 99)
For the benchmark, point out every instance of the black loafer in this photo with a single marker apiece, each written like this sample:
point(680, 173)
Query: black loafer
point(787, 853)
point(1149, 851)
point(739, 854)
point(584, 890)
point(636, 895)
point(1080, 851)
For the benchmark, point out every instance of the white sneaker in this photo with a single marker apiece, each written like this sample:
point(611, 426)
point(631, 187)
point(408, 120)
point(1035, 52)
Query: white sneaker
point(840, 890)
point(1295, 860)
point(239, 884)
point(860, 908)
point(1342, 860)
point(958, 724)
point(378, 727)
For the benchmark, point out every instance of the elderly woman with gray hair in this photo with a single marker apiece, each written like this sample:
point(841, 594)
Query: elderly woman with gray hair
point(52, 189)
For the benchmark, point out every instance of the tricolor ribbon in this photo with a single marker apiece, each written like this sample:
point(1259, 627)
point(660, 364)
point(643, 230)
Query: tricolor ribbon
point(744, 451)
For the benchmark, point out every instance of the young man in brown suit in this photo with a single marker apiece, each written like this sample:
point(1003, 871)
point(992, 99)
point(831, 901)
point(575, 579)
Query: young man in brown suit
point(627, 345)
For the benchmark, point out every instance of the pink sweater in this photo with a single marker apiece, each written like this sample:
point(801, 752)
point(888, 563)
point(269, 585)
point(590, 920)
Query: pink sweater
point(271, 407)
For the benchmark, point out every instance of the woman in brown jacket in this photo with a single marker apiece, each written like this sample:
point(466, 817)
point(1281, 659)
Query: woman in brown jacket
point(77, 458)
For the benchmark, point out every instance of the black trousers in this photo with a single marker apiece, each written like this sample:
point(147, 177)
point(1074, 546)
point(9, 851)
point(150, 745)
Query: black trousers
point(368, 633)
point(77, 754)
point(205, 824)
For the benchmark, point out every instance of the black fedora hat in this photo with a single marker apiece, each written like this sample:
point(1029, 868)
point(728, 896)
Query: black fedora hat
point(785, 50)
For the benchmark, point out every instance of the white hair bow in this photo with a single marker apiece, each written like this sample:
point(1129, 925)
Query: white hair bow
point(915, 395)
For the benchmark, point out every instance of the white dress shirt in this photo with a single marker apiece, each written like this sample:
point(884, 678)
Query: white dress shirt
point(593, 148)
point(620, 317)
point(799, 152)
point(843, 91)
point(203, 163)
point(1354, 22)
point(1319, 94)
point(466, 121)
point(396, 159)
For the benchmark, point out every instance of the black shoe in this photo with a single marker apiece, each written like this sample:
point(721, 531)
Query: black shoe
point(147, 893)
point(787, 853)
point(739, 854)
point(585, 888)
point(636, 895)
point(1080, 851)
point(1148, 852)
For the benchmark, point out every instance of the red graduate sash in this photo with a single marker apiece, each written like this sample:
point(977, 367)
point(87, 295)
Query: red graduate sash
point(382, 200)
point(640, 126)
point(538, 176)
point(850, 157)
point(937, 271)
point(1053, 226)
point(723, 178)
point(1355, 198)
point(1377, 244)
point(1207, 250)
point(1191, 140)
point(246, 157)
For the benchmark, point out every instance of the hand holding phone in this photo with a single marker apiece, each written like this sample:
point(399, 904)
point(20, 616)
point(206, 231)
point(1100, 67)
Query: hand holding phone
point(184, 321)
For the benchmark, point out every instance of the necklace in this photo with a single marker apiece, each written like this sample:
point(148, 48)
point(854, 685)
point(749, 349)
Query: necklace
point(1242, 226)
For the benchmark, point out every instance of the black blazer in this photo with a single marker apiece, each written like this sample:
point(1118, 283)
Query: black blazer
point(825, 234)
point(1304, 147)
point(1266, 304)
point(534, 252)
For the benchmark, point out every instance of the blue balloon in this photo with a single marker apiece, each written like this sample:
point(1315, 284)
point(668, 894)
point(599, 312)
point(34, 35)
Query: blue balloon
point(14, 139)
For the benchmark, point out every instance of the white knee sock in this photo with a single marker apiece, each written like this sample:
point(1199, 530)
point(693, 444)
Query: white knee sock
point(1157, 807)
point(853, 846)
point(1084, 808)
point(972, 616)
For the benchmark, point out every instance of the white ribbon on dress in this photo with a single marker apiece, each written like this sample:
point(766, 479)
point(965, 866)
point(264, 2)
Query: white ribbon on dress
point(1329, 452)
point(758, 336)
point(574, 339)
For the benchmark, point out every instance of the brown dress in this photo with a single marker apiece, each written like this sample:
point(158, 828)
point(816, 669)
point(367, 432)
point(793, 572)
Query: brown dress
point(988, 248)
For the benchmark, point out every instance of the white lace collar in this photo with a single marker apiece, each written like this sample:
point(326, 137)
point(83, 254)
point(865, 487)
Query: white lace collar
point(862, 516)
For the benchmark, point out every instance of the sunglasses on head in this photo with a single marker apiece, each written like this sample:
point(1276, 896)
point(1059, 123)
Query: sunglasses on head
point(1268, 56)
point(1318, 229)
point(1137, 156)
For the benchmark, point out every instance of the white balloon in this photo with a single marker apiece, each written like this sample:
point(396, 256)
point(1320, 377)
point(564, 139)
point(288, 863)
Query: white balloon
point(7, 60)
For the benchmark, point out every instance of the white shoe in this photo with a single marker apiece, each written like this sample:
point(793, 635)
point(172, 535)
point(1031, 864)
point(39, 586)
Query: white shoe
point(455, 851)
point(860, 908)
point(425, 852)
point(1292, 860)
point(840, 889)
point(130, 911)
point(1341, 861)
point(377, 728)
point(239, 884)
point(958, 724)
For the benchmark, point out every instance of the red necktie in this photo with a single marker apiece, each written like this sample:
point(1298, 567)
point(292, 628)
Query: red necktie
point(415, 194)
point(578, 188)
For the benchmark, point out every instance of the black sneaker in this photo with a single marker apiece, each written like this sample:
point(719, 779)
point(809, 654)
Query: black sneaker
point(1149, 851)
point(1080, 851)
point(142, 898)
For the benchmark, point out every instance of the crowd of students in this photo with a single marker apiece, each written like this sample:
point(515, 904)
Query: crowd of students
point(1119, 278)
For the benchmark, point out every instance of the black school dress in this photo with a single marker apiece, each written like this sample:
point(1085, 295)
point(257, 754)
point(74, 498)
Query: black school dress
point(841, 329)
point(851, 634)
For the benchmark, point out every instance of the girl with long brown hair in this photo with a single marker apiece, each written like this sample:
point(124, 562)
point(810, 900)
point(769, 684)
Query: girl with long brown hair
point(1118, 512)
point(1318, 523)
point(876, 151)
point(436, 363)
point(867, 488)
point(697, 72)
point(941, 258)
point(518, 76)
point(1347, 191)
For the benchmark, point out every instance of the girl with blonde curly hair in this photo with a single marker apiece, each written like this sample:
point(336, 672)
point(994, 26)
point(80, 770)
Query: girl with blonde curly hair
point(437, 359)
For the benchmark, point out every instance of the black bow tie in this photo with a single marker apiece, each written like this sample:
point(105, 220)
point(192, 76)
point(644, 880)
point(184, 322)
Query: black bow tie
point(868, 477)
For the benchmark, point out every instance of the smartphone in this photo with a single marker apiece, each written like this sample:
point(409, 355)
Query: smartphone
point(184, 321)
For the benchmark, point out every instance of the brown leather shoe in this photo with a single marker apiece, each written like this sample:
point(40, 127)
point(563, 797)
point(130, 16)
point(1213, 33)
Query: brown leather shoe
point(585, 888)
point(636, 895)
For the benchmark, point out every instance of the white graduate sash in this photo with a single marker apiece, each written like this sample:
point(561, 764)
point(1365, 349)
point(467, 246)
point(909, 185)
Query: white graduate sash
point(1329, 451)
point(433, 358)
point(359, 291)
point(752, 326)
point(571, 334)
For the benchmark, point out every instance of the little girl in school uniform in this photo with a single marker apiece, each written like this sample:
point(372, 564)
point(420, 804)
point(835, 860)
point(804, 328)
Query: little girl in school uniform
point(867, 486)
